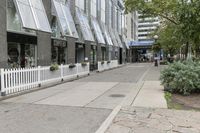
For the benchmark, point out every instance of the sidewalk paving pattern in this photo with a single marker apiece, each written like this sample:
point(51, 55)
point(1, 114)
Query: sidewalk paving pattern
point(74, 107)
point(149, 114)
point(146, 120)
point(83, 105)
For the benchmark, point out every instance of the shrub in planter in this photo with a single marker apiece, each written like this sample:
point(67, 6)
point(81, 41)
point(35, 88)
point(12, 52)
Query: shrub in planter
point(72, 66)
point(182, 77)
point(108, 62)
point(84, 64)
point(163, 62)
point(54, 67)
point(102, 62)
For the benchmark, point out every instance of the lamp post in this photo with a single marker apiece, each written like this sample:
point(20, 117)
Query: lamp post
point(156, 58)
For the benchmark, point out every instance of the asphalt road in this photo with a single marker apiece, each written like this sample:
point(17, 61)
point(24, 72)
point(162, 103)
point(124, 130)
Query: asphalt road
point(74, 107)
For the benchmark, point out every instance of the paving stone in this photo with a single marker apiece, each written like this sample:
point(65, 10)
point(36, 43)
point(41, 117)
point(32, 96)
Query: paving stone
point(146, 120)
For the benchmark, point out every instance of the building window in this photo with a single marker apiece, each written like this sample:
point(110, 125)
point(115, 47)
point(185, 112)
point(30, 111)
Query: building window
point(21, 55)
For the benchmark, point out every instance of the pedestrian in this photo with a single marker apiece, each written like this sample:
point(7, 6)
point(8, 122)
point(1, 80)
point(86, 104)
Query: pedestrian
point(156, 60)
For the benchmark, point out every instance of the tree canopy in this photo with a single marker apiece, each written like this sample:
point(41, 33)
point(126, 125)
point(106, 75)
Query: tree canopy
point(180, 18)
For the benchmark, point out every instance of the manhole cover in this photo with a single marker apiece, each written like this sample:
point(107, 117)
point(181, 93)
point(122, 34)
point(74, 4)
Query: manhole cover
point(117, 95)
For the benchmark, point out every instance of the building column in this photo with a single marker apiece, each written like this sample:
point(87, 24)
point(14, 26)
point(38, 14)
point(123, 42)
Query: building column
point(44, 48)
point(99, 52)
point(71, 50)
point(3, 35)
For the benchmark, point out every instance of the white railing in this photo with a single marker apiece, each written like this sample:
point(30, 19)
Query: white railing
point(21, 79)
point(105, 65)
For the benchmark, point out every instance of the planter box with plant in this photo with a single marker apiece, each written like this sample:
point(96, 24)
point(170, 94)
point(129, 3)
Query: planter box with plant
point(102, 62)
point(72, 66)
point(83, 64)
point(54, 67)
point(108, 62)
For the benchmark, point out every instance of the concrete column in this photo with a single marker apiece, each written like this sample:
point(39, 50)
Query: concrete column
point(44, 48)
point(44, 40)
point(87, 50)
point(99, 52)
point(71, 50)
point(3, 35)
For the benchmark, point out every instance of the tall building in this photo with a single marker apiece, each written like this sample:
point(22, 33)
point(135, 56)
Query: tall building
point(34, 33)
point(140, 36)
point(146, 25)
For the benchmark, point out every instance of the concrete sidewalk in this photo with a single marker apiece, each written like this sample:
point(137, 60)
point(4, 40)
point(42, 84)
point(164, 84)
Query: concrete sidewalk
point(151, 95)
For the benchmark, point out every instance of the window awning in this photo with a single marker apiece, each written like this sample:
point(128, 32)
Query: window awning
point(107, 36)
point(118, 39)
point(65, 19)
point(113, 38)
point(97, 31)
point(33, 15)
point(84, 25)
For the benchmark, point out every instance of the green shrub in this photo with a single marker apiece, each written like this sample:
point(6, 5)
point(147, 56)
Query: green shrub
point(72, 66)
point(182, 77)
point(84, 64)
point(54, 67)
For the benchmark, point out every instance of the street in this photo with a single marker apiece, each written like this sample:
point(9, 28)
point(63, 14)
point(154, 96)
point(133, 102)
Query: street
point(80, 106)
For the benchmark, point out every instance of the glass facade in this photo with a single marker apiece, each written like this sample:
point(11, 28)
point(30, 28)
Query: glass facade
point(65, 19)
point(106, 34)
point(97, 31)
point(94, 8)
point(103, 11)
point(33, 15)
point(118, 39)
point(84, 25)
point(113, 38)
point(13, 19)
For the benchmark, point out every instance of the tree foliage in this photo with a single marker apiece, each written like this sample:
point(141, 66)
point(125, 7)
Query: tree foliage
point(183, 15)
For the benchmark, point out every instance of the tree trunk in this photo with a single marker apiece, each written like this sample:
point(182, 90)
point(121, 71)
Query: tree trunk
point(186, 50)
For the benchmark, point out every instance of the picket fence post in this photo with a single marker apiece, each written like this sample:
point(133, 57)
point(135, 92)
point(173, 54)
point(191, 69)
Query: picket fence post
point(39, 75)
point(3, 92)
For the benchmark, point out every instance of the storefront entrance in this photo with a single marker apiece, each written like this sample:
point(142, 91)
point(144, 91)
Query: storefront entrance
point(120, 56)
point(103, 53)
point(80, 53)
point(59, 52)
point(22, 50)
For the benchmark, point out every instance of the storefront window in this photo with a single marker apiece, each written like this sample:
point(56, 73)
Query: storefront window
point(21, 55)
point(59, 52)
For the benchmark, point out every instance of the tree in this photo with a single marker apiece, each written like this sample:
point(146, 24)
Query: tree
point(184, 15)
point(168, 39)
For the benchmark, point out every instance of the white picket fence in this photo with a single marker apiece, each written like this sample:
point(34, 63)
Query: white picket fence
point(107, 65)
point(21, 79)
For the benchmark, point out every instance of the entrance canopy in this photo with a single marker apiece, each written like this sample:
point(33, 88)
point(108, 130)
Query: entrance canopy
point(140, 43)
point(33, 15)
point(65, 19)
point(97, 31)
point(84, 25)
point(106, 34)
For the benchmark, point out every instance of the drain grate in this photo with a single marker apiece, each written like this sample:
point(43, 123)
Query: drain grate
point(117, 95)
